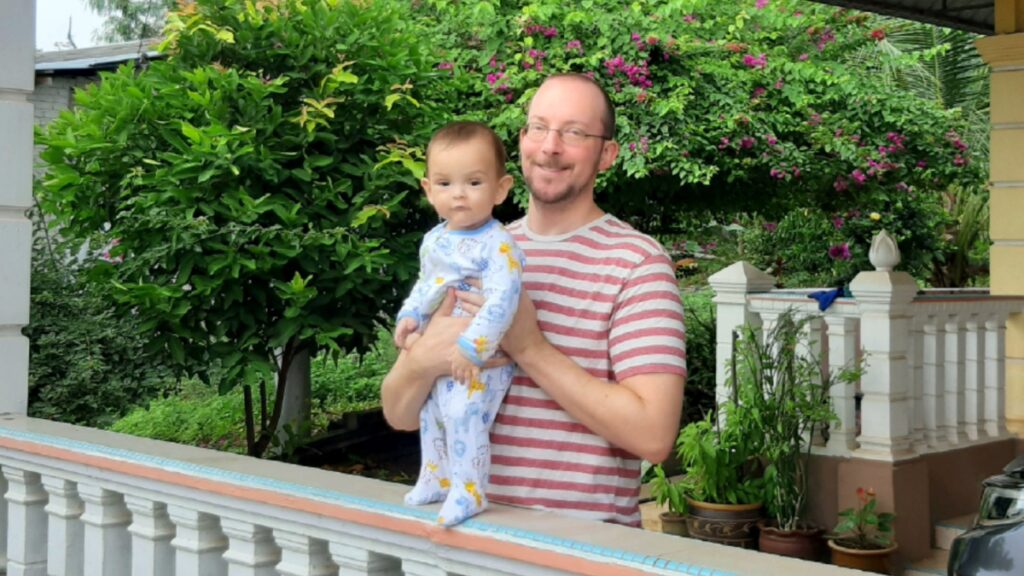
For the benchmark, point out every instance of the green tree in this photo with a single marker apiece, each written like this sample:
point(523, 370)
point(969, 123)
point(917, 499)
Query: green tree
point(246, 185)
point(131, 19)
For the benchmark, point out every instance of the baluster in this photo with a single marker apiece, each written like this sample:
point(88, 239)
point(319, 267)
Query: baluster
point(251, 549)
point(151, 533)
point(65, 536)
point(954, 371)
point(358, 561)
point(974, 377)
point(842, 353)
point(916, 351)
point(303, 556)
point(995, 376)
point(198, 543)
point(107, 541)
point(3, 525)
point(26, 515)
point(422, 568)
point(934, 388)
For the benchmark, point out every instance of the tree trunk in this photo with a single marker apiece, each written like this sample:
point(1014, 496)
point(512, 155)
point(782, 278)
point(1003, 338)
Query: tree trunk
point(295, 407)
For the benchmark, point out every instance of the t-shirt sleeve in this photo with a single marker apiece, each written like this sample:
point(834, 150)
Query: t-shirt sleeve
point(648, 334)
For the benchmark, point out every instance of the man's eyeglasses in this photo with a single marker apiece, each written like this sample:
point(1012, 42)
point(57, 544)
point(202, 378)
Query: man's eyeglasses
point(570, 136)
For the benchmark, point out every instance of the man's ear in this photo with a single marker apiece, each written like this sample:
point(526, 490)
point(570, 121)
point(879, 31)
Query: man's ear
point(504, 185)
point(609, 153)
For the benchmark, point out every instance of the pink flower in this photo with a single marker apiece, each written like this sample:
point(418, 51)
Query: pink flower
point(757, 62)
point(770, 227)
point(493, 78)
point(771, 140)
point(760, 4)
point(838, 222)
point(575, 45)
point(444, 66)
point(959, 161)
point(723, 143)
point(803, 57)
point(689, 19)
point(815, 119)
point(779, 84)
point(758, 92)
point(858, 176)
point(550, 32)
point(777, 173)
point(840, 252)
point(747, 142)
point(841, 185)
point(902, 187)
point(878, 34)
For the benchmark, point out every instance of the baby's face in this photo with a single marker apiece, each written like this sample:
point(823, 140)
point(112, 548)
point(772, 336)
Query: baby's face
point(463, 183)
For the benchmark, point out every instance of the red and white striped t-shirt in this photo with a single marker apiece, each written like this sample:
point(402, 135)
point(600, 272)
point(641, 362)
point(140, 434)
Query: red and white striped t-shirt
point(606, 296)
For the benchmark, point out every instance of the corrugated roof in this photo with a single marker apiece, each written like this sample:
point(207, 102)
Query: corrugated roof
point(91, 60)
point(972, 15)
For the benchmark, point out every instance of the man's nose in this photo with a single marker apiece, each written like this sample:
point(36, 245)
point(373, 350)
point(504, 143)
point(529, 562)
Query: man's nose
point(552, 143)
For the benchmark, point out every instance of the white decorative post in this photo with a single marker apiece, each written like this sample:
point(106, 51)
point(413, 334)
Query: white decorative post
point(198, 542)
point(934, 390)
point(65, 534)
point(995, 376)
point(954, 380)
point(151, 532)
point(918, 435)
point(303, 556)
point(251, 549)
point(842, 353)
point(974, 377)
point(107, 541)
point(26, 516)
point(3, 519)
point(17, 81)
point(883, 299)
point(358, 561)
point(731, 286)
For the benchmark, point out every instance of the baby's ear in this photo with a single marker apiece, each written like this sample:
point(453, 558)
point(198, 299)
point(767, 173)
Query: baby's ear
point(504, 185)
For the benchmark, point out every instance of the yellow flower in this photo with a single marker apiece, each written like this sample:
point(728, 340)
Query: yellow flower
point(439, 280)
point(506, 249)
point(875, 216)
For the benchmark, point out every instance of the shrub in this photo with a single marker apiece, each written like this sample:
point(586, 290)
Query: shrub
point(700, 355)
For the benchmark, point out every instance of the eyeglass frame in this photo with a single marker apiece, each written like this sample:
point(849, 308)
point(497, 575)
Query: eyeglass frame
point(544, 130)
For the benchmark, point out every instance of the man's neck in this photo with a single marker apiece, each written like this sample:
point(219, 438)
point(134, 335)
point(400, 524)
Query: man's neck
point(557, 219)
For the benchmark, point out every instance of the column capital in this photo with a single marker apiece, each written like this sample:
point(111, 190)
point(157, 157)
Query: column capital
point(739, 279)
point(1002, 50)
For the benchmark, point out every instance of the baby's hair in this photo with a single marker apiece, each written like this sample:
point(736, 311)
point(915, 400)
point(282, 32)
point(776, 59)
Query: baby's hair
point(464, 131)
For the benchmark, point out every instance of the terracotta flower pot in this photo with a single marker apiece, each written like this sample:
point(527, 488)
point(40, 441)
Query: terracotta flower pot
point(804, 542)
point(673, 523)
point(871, 560)
point(729, 524)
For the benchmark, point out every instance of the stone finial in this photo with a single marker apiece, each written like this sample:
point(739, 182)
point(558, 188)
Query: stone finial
point(884, 254)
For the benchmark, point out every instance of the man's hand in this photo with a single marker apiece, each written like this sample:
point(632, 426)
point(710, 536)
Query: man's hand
point(405, 327)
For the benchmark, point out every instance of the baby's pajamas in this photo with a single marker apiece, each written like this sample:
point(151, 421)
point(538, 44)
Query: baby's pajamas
point(456, 419)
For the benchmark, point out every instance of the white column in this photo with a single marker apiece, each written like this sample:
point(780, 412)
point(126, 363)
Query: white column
point(842, 353)
point(883, 300)
point(17, 81)
point(358, 561)
point(26, 517)
point(995, 376)
point(974, 376)
point(107, 541)
point(3, 519)
point(65, 535)
point(151, 533)
point(934, 388)
point(198, 542)
point(916, 357)
point(954, 380)
point(731, 286)
point(303, 556)
point(251, 549)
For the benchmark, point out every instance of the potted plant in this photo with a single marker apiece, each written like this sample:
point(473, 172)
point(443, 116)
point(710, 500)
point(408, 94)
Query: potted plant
point(863, 537)
point(667, 492)
point(724, 475)
point(783, 382)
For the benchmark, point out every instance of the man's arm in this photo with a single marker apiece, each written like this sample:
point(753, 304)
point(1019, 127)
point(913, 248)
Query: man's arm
point(639, 414)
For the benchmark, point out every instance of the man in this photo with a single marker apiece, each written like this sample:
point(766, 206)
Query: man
point(599, 337)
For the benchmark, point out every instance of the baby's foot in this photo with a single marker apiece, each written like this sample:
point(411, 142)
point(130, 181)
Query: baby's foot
point(462, 503)
point(428, 489)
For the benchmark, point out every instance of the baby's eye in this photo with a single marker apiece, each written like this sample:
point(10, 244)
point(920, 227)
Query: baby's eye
point(443, 183)
point(476, 182)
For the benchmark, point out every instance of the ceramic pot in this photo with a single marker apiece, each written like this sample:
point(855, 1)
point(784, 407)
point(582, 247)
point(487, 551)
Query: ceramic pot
point(877, 560)
point(673, 523)
point(804, 542)
point(729, 524)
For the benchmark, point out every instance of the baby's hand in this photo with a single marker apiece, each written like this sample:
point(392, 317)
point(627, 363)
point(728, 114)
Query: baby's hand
point(403, 329)
point(463, 370)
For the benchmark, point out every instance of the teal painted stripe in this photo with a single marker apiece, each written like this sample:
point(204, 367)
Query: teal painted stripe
point(250, 481)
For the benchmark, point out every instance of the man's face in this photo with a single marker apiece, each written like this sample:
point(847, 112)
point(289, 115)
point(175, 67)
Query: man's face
point(464, 183)
point(557, 173)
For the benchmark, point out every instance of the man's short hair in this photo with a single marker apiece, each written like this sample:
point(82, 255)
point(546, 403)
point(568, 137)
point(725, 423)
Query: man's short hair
point(464, 131)
point(608, 120)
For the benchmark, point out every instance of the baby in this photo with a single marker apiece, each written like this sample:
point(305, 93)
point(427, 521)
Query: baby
point(465, 180)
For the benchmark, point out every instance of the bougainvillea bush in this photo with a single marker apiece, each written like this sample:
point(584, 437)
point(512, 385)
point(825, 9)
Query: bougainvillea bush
point(753, 106)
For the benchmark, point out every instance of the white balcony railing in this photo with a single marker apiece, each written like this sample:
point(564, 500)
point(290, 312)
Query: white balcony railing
point(90, 502)
point(934, 360)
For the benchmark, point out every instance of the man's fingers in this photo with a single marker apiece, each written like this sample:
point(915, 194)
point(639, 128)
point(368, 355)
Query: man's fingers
point(448, 304)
